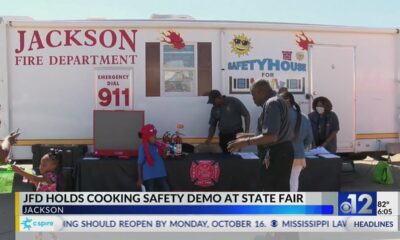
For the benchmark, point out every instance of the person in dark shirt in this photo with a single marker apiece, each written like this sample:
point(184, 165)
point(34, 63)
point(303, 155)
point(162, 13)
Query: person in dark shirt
point(303, 138)
point(324, 123)
point(227, 113)
point(273, 140)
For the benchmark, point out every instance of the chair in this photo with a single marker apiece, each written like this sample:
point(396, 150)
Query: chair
point(392, 149)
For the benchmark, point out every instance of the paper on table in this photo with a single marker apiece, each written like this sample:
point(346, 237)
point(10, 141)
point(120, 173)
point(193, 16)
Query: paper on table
point(247, 155)
point(322, 152)
point(317, 151)
point(91, 158)
point(330, 155)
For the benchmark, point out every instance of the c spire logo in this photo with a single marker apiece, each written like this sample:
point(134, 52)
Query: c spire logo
point(26, 224)
point(37, 223)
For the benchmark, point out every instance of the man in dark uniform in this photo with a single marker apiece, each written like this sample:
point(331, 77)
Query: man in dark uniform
point(273, 139)
point(227, 113)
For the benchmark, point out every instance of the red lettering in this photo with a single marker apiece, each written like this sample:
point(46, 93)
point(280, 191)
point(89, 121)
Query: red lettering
point(131, 42)
point(85, 60)
point(48, 38)
point(36, 39)
point(116, 93)
point(104, 59)
point(21, 41)
point(115, 59)
point(126, 39)
point(31, 60)
point(94, 58)
point(124, 59)
point(69, 38)
point(62, 60)
point(133, 58)
point(105, 97)
point(18, 59)
point(126, 93)
point(69, 59)
point(90, 37)
point(103, 38)
point(28, 60)
point(53, 60)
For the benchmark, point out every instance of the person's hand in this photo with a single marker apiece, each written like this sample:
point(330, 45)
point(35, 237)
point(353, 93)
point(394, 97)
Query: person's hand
point(244, 135)
point(240, 135)
point(12, 137)
point(165, 153)
point(266, 162)
point(16, 169)
point(236, 145)
point(139, 183)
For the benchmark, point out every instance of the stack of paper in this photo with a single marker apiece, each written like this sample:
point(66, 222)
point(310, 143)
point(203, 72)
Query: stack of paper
point(321, 152)
point(91, 158)
point(247, 155)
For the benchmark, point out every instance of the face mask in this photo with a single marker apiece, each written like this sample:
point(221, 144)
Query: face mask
point(320, 110)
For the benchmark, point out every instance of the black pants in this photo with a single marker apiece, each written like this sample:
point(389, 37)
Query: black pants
point(157, 185)
point(277, 176)
point(224, 138)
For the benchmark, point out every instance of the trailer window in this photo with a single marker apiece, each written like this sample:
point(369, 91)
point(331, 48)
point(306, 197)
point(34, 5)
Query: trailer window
point(178, 73)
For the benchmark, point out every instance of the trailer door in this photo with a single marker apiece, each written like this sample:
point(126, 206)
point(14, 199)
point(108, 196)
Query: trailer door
point(332, 74)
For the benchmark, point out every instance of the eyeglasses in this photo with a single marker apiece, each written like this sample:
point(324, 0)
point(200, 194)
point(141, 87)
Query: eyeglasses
point(243, 42)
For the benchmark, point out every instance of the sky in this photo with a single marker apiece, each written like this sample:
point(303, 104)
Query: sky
point(364, 13)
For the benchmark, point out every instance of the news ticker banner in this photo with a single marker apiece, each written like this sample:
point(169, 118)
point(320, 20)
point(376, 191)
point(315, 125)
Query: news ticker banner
point(207, 212)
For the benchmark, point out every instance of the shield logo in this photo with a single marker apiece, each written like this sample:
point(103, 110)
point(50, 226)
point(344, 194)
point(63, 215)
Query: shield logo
point(204, 173)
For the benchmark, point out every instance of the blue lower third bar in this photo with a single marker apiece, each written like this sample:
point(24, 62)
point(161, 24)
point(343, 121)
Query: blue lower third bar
point(181, 209)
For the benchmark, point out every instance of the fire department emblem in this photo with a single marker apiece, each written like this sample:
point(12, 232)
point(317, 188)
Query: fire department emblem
point(204, 173)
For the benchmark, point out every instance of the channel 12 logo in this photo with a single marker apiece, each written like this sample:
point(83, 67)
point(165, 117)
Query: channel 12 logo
point(357, 203)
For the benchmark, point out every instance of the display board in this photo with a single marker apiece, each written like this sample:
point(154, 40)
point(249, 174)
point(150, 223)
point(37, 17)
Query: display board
point(116, 132)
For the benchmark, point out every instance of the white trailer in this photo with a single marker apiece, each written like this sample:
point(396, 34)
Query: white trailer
point(53, 74)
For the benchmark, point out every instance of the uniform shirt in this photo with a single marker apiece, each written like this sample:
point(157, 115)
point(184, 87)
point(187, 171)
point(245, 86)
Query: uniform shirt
point(229, 115)
point(322, 126)
point(274, 119)
point(157, 170)
point(305, 136)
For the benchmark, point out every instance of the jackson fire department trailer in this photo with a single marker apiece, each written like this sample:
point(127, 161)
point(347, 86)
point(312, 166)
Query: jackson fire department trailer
point(55, 73)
